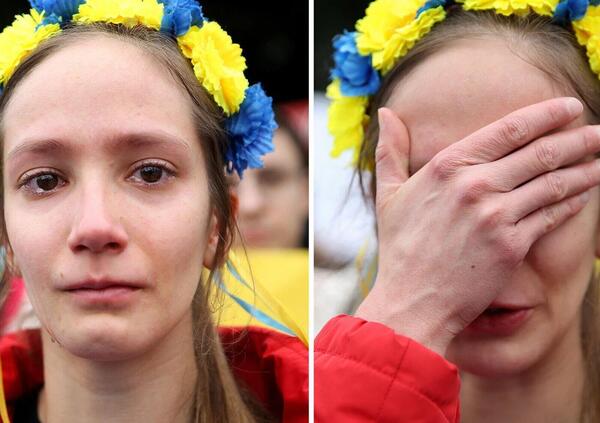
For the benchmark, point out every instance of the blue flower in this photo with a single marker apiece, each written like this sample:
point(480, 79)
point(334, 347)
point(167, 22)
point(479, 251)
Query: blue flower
point(357, 75)
point(250, 131)
point(431, 4)
point(63, 9)
point(180, 15)
point(570, 10)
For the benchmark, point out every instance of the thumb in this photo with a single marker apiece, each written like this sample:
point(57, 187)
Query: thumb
point(391, 154)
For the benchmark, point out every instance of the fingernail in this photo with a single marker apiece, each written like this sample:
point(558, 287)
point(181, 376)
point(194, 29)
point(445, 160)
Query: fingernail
point(574, 106)
point(584, 197)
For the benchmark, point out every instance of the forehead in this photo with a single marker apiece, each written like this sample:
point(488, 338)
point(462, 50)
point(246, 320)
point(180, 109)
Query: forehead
point(94, 86)
point(463, 88)
point(285, 154)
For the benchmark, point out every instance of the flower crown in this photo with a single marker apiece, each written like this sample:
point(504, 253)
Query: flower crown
point(218, 62)
point(392, 27)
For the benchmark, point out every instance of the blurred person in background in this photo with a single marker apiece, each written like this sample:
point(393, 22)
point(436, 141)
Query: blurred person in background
point(273, 227)
point(273, 201)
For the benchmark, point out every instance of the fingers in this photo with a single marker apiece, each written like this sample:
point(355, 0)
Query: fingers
point(546, 154)
point(391, 155)
point(548, 218)
point(517, 129)
point(552, 188)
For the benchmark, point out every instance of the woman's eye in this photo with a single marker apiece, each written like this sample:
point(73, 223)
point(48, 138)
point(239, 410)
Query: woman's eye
point(42, 183)
point(151, 174)
point(47, 182)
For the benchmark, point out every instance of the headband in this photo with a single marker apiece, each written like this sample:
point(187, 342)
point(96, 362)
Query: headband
point(217, 62)
point(392, 27)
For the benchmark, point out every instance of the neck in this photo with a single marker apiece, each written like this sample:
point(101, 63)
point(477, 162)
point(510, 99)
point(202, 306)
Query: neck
point(158, 386)
point(550, 391)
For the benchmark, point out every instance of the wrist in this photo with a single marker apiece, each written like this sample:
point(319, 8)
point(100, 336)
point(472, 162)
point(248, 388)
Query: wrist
point(418, 320)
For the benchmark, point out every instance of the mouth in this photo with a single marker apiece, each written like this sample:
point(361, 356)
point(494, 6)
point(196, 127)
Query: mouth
point(101, 284)
point(103, 292)
point(498, 320)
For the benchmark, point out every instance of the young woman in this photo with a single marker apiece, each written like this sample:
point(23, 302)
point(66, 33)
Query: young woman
point(482, 136)
point(118, 120)
point(266, 219)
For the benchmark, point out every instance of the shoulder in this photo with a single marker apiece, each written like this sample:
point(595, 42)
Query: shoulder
point(22, 363)
point(273, 366)
point(22, 372)
point(367, 372)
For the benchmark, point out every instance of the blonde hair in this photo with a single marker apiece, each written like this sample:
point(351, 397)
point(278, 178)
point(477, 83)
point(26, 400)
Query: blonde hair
point(217, 396)
point(553, 50)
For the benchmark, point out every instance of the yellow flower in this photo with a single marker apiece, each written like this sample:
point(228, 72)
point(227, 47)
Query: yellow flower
point(587, 30)
point(126, 12)
point(593, 53)
point(218, 64)
point(390, 28)
point(512, 7)
point(20, 39)
point(588, 25)
point(346, 120)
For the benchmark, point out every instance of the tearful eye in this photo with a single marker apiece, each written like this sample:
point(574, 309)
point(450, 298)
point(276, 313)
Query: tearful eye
point(46, 182)
point(151, 174)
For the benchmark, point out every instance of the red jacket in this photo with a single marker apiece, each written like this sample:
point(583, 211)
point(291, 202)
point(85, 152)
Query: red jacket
point(272, 365)
point(365, 372)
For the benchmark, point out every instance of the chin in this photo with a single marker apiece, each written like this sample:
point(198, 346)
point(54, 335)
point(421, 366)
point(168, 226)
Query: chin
point(102, 338)
point(497, 357)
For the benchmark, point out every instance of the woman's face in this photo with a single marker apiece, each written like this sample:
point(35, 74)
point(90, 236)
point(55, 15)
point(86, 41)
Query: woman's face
point(273, 201)
point(105, 185)
point(449, 96)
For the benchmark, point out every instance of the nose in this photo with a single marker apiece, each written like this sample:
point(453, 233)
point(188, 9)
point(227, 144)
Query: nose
point(96, 226)
point(250, 196)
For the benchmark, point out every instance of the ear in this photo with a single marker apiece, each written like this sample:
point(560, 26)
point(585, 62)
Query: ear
point(213, 240)
point(213, 231)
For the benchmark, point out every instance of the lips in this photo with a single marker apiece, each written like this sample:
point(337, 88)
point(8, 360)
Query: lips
point(101, 284)
point(500, 320)
point(95, 294)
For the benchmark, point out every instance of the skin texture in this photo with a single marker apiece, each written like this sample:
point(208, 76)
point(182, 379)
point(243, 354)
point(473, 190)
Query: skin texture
point(273, 201)
point(468, 195)
point(103, 220)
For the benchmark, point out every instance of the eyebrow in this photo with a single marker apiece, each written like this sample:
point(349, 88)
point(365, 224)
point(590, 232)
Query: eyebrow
point(127, 141)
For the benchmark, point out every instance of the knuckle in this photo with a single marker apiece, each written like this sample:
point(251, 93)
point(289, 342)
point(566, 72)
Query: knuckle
point(509, 249)
point(573, 205)
point(443, 166)
point(492, 216)
point(556, 186)
point(547, 154)
point(472, 190)
point(550, 214)
point(514, 129)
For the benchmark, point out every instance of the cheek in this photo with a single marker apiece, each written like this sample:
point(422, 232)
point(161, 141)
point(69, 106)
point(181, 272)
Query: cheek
point(177, 238)
point(564, 258)
point(35, 236)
